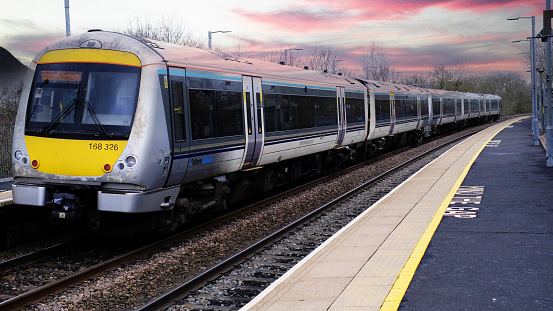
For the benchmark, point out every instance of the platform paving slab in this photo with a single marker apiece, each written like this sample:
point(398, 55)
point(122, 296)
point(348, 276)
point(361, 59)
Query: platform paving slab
point(396, 223)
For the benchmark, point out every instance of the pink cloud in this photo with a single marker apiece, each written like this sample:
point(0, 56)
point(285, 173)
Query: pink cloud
point(488, 5)
point(303, 20)
point(391, 10)
point(25, 47)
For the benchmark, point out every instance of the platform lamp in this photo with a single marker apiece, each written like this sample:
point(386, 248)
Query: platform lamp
point(210, 33)
point(535, 120)
point(67, 23)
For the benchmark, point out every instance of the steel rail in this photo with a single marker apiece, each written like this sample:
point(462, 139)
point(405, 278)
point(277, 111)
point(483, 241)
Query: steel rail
point(43, 292)
point(179, 291)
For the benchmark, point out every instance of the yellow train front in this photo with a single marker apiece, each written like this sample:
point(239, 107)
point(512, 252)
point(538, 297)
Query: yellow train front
point(79, 143)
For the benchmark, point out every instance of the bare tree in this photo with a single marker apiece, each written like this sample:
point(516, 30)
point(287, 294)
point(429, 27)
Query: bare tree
point(9, 101)
point(169, 29)
point(325, 58)
point(416, 80)
point(375, 66)
point(449, 76)
point(238, 48)
point(269, 56)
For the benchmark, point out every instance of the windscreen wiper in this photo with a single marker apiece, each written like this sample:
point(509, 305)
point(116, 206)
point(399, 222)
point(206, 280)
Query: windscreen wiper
point(94, 118)
point(72, 104)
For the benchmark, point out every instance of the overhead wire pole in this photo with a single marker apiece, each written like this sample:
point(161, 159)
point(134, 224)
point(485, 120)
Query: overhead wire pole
point(209, 36)
point(286, 55)
point(67, 24)
point(535, 120)
point(548, 108)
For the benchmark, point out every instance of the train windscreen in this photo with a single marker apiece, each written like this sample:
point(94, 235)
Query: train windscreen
point(82, 99)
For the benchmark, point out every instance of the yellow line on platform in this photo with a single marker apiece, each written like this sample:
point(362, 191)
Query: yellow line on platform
point(404, 278)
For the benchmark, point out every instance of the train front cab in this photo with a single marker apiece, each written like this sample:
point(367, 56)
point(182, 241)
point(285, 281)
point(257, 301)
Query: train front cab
point(82, 140)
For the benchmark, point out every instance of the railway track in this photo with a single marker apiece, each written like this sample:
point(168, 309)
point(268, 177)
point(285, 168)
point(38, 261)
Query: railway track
point(259, 271)
point(231, 284)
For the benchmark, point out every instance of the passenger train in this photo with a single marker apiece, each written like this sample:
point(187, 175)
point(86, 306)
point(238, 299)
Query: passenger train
point(114, 130)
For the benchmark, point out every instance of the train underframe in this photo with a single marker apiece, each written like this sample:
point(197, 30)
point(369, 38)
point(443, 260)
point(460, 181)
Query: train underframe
point(76, 205)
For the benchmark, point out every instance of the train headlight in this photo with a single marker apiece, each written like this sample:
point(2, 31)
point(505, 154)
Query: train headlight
point(130, 161)
point(18, 155)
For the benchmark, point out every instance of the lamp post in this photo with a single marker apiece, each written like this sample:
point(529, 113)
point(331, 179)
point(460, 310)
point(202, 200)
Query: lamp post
point(209, 33)
point(445, 83)
point(67, 24)
point(548, 111)
point(286, 54)
point(535, 120)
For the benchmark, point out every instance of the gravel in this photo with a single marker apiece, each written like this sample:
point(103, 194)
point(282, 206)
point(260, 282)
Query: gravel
point(131, 286)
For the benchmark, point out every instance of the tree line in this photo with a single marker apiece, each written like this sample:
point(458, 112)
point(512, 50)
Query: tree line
point(372, 64)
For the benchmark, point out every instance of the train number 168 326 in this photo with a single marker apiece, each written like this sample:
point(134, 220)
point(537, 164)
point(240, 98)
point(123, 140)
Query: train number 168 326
point(100, 146)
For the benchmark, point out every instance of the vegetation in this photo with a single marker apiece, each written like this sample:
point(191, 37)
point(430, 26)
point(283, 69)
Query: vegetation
point(373, 65)
point(9, 101)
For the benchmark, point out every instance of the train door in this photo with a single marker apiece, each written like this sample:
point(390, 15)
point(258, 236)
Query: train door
point(392, 113)
point(180, 144)
point(255, 128)
point(419, 119)
point(341, 102)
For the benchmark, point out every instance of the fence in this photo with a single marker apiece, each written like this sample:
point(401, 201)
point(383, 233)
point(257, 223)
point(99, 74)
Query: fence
point(6, 134)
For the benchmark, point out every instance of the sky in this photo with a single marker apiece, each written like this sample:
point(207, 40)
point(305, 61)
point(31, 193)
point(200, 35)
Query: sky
point(416, 35)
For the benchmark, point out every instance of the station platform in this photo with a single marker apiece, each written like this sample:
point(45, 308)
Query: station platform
point(470, 231)
point(5, 191)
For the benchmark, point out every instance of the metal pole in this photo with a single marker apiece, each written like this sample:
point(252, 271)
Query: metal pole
point(540, 100)
point(285, 56)
point(535, 120)
point(209, 39)
point(542, 96)
point(67, 25)
point(548, 107)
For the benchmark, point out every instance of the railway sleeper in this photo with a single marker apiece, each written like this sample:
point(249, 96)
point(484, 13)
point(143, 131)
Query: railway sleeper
point(191, 306)
point(222, 298)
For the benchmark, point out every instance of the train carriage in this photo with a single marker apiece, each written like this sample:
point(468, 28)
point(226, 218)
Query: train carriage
point(114, 128)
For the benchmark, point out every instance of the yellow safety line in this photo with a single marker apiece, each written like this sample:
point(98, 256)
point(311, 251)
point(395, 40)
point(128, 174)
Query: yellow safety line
point(404, 278)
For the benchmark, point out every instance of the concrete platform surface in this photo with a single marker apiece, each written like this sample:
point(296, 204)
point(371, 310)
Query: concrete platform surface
point(369, 264)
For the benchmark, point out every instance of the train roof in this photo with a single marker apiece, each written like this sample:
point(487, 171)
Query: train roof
point(152, 52)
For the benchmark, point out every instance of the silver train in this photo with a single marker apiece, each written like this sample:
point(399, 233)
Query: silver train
point(115, 131)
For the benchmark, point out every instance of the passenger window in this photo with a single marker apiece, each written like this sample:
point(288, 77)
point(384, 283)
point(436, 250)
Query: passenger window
point(216, 113)
point(354, 110)
point(259, 105)
point(178, 110)
point(248, 111)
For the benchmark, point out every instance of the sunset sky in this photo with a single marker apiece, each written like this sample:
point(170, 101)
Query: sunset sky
point(416, 34)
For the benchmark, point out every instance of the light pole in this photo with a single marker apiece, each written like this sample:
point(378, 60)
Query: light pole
point(286, 54)
point(535, 120)
point(67, 25)
point(548, 113)
point(445, 83)
point(209, 33)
